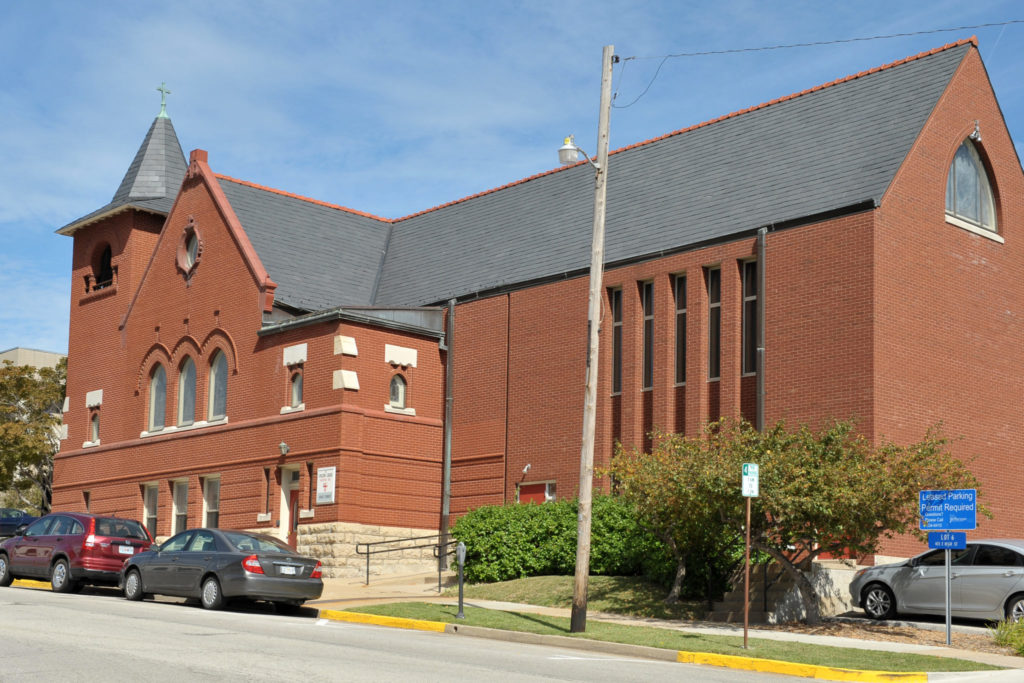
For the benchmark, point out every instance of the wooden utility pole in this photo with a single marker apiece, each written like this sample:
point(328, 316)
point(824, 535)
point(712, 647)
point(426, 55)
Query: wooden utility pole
point(578, 621)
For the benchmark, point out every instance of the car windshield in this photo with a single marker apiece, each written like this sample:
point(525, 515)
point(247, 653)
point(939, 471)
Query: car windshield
point(256, 543)
point(120, 528)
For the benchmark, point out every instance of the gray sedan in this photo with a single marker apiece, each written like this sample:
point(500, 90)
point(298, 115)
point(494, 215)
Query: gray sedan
point(986, 582)
point(215, 565)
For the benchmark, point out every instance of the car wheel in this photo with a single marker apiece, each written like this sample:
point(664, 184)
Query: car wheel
point(133, 585)
point(1015, 608)
point(211, 597)
point(60, 577)
point(879, 602)
point(5, 572)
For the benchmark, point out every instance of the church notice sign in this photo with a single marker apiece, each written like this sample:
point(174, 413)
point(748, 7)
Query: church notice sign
point(325, 485)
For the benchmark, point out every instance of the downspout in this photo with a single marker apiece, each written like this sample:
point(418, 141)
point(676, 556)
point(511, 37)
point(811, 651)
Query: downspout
point(762, 234)
point(446, 475)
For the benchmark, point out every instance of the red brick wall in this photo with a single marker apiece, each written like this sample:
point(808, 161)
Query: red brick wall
point(949, 305)
point(388, 465)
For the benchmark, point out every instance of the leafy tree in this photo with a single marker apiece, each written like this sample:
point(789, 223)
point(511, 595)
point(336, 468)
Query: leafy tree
point(668, 488)
point(829, 490)
point(30, 418)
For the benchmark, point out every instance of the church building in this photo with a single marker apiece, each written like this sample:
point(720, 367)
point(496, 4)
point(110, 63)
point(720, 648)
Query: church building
point(244, 357)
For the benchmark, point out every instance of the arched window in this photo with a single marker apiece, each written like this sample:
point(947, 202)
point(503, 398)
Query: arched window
point(157, 398)
point(218, 386)
point(104, 269)
point(397, 392)
point(191, 248)
point(968, 191)
point(296, 389)
point(187, 392)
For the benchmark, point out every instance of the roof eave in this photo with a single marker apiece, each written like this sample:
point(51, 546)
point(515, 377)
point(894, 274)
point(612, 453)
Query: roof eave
point(71, 228)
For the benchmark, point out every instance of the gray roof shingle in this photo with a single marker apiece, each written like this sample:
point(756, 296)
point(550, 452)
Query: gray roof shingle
point(822, 150)
point(152, 180)
point(319, 255)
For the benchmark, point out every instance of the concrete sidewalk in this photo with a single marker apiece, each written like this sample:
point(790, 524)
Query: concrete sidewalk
point(348, 594)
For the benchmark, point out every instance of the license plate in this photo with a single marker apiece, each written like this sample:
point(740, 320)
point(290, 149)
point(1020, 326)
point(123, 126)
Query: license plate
point(125, 549)
point(288, 570)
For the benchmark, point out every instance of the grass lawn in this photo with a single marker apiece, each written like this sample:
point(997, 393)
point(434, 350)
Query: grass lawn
point(628, 595)
point(804, 653)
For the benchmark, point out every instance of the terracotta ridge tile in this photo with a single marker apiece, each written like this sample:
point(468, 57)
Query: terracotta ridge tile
point(973, 40)
point(319, 202)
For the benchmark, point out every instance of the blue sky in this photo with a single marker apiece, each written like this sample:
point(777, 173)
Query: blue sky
point(393, 107)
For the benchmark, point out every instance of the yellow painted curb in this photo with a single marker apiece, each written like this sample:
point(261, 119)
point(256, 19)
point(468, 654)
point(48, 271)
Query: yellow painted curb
point(29, 583)
point(803, 670)
point(394, 622)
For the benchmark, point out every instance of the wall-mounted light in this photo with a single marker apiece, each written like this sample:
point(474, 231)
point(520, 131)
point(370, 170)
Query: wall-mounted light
point(284, 448)
point(527, 468)
point(976, 135)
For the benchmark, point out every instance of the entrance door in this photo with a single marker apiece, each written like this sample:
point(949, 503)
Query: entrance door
point(293, 517)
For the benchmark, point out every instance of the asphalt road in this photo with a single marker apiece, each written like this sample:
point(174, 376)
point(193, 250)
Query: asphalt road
point(97, 635)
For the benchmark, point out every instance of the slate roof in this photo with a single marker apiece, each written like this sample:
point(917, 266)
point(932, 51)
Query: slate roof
point(823, 150)
point(811, 153)
point(320, 255)
point(152, 180)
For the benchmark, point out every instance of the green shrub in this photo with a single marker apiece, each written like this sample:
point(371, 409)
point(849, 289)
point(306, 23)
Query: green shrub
point(505, 542)
point(1010, 634)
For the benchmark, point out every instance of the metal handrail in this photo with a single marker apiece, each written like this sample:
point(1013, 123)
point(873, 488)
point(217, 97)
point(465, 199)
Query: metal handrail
point(370, 549)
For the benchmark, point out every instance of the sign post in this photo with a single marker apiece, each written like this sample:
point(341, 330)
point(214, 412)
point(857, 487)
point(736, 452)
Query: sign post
point(750, 490)
point(950, 511)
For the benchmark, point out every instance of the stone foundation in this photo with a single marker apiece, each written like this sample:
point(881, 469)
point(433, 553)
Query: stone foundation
point(334, 544)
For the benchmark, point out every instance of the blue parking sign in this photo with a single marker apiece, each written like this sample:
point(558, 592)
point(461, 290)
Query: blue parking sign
point(949, 510)
point(949, 540)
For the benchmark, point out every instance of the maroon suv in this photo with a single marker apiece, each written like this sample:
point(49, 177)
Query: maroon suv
point(71, 549)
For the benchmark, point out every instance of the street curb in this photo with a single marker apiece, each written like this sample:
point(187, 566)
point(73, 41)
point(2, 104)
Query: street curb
point(29, 583)
point(727, 661)
point(376, 620)
point(803, 670)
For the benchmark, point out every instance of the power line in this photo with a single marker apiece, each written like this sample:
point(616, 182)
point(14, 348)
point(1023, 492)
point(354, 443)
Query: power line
point(665, 58)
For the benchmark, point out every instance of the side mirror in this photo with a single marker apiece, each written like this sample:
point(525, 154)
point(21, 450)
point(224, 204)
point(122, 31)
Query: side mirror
point(20, 531)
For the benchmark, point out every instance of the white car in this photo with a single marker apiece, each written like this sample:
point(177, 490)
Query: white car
point(986, 582)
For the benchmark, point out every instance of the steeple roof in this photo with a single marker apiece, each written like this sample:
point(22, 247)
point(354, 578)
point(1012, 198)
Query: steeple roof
point(152, 180)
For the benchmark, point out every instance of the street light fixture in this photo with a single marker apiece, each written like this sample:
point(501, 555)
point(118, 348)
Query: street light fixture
point(568, 154)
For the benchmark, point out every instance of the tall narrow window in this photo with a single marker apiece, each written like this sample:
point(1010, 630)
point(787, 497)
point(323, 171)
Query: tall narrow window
point(266, 490)
point(157, 398)
point(647, 303)
point(397, 399)
point(105, 272)
point(218, 386)
point(150, 506)
point(615, 301)
point(211, 502)
point(968, 191)
point(296, 389)
point(680, 287)
point(714, 323)
point(94, 427)
point(180, 507)
point(751, 324)
point(187, 392)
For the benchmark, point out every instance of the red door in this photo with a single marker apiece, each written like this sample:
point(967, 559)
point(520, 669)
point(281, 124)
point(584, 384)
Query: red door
point(293, 517)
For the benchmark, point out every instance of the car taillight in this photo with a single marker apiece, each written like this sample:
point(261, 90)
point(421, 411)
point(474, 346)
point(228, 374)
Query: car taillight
point(317, 573)
point(252, 565)
point(90, 540)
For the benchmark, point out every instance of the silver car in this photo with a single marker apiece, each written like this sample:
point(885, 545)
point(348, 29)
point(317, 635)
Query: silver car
point(986, 582)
